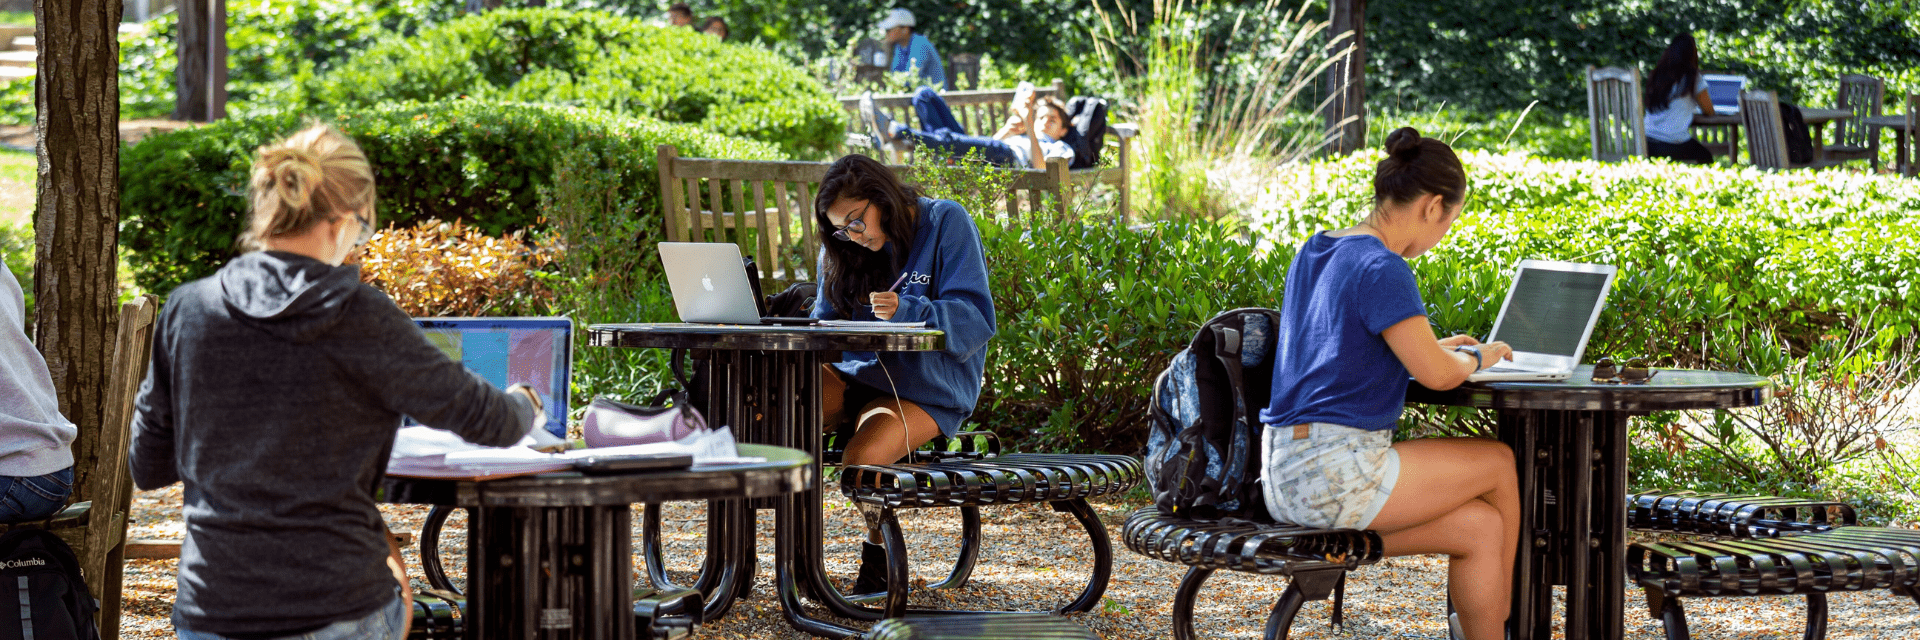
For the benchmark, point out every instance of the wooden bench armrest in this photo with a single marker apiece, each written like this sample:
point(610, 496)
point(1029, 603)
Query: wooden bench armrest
point(1123, 130)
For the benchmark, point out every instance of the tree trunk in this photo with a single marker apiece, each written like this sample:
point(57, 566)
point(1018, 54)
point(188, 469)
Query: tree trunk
point(200, 88)
point(77, 222)
point(1347, 77)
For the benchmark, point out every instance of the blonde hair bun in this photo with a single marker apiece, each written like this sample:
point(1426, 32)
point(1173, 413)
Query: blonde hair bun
point(316, 174)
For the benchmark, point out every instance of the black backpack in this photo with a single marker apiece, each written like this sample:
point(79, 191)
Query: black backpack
point(44, 576)
point(1203, 458)
point(1799, 141)
point(1088, 116)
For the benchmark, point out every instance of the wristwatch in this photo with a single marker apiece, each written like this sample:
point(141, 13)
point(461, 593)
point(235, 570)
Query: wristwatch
point(539, 408)
point(1478, 362)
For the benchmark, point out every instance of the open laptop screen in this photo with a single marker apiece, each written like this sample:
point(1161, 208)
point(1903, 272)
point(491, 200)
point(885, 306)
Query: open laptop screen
point(536, 352)
point(1549, 310)
point(1724, 90)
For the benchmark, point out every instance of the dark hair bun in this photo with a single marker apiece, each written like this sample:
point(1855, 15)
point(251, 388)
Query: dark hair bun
point(1403, 144)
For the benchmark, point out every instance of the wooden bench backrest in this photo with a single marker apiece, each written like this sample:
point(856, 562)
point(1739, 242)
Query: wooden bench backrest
point(981, 112)
point(1616, 126)
point(1862, 95)
point(1766, 138)
point(766, 207)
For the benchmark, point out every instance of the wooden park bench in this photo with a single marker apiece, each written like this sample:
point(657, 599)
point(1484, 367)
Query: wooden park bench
point(1763, 546)
point(982, 112)
point(767, 207)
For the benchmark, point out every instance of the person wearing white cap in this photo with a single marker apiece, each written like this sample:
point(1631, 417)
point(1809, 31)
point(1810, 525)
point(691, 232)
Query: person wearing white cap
point(912, 51)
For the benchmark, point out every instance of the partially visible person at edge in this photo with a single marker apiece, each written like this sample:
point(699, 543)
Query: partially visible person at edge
point(679, 15)
point(275, 390)
point(888, 253)
point(714, 26)
point(1352, 330)
point(36, 455)
point(912, 51)
point(1673, 91)
point(1037, 129)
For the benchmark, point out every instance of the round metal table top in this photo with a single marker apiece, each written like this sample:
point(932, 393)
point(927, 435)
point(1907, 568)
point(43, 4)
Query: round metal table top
point(1668, 390)
point(784, 471)
point(737, 337)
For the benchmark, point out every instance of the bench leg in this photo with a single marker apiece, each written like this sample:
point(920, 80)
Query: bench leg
point(969, 550)
point(1183, 602)
point(1674, 619)
point(1816, 616)
point(430, 549)
point(1911, 592)
point(895, 603)
point(1280, 620)
point(1102, 554)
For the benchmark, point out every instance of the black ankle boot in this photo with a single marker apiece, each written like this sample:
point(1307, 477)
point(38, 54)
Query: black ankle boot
point(873, 569)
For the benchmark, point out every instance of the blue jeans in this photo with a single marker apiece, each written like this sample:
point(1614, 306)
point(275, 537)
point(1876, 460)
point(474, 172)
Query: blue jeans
point(23, 499)
point(383, 624)
point(940, 130)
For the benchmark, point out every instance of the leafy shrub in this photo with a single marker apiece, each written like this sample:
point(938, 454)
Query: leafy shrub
point(1090, 313)
point(437, 269)
point(183, 193)
point(598, 60)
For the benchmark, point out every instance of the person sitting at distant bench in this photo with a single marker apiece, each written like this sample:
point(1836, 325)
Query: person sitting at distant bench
point(1014, 145)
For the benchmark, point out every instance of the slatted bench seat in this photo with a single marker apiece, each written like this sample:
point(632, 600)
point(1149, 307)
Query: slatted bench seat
point(1314, 560)
point(999, 626)
point(1064, 482)
point(1770, 546)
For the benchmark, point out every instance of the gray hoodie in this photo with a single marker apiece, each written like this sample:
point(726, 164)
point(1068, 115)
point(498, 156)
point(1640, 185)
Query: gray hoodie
point(274, 394)
point(34, 437)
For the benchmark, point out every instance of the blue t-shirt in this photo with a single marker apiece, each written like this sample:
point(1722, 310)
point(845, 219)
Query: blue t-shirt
point(1331, 363)
point(919, 54)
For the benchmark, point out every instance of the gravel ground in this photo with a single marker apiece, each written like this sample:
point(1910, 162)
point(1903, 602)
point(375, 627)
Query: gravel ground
point(1025, 565)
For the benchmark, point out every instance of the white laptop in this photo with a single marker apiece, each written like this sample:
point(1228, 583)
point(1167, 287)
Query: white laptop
point(1724, 90)
point(710, 285)
point(1549, 314)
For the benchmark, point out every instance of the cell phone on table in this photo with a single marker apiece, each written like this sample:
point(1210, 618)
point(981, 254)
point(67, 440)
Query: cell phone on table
point(594, 465)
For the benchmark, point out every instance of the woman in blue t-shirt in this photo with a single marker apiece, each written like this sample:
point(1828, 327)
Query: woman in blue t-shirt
point(889, 254)
point(1352, 330)
point(1672, 92)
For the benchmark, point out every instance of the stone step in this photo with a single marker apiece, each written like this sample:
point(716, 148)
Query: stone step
point(14, 73)
point(23, 43)
point(17, 58)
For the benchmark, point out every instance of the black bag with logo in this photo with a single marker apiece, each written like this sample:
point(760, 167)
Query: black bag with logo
point(42, 574)
point(1799, 141)
point(1088, 116)
point(1202, 453)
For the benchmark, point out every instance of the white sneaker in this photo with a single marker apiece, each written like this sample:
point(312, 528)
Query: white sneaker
point(1453, 626)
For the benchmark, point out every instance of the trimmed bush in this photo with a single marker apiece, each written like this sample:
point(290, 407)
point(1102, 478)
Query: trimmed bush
point(442, 269)
point(598, 60)
point(183, 194)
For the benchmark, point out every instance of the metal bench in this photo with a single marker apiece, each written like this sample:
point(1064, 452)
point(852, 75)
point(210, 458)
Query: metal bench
point(998, 626)
point(1064, 482)
point(1771, 546)
point(1315, 561)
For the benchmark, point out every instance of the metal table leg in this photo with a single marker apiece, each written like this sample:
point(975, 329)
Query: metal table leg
point(550, 573)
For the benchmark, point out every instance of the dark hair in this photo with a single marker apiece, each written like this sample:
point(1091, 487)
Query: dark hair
point(1059, 108)
point(710, 21)
point(1677, 71)
point(1416, 167)
point(847, 271)
point(681, 7)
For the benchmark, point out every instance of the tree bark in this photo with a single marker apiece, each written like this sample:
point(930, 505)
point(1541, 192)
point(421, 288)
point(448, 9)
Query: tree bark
point(1347, 77)
point(200, 87)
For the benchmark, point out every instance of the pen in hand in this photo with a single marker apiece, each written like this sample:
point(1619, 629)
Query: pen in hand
point(896, 283)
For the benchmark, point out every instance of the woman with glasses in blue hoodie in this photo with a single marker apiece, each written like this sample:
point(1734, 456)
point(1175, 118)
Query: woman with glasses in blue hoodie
point(891, 254)
point(274, 393)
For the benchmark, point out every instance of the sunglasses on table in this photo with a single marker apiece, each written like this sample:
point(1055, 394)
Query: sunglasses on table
point(1635, 371)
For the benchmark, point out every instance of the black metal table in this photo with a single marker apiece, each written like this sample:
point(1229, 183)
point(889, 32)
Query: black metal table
point(1570, 443)
point(765, 384)
point(550, 556)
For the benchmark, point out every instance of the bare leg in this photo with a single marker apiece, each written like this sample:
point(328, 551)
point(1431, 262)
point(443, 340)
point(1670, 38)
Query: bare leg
point(885, 435)
point(833, 398)
point(1459, 496)
point(398, 565)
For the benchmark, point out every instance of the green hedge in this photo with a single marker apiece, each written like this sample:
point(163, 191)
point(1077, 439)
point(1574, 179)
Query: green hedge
point(183, 193)
point(599, 60)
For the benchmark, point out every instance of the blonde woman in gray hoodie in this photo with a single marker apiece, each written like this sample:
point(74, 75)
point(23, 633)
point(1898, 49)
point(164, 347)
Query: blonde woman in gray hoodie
point(36, 460)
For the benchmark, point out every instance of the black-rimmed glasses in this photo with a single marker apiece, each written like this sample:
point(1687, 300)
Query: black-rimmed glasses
point(366, 229)
point(855, 224)
point(1635, 371)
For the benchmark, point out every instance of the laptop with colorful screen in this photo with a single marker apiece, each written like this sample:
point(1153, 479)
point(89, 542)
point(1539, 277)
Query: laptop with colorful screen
point(537, 352)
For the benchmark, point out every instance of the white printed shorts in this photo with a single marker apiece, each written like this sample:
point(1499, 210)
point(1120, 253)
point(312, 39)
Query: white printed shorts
point(1327, 475)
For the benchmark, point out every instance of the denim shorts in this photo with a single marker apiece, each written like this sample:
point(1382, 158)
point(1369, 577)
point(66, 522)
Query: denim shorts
point(1327, 475)
point(387, 623)
point(36, 497)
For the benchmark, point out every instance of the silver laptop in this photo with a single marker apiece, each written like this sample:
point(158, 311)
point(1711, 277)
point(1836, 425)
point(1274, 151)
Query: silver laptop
point(1549, 314)
point(1724, 90)
point(710, 285)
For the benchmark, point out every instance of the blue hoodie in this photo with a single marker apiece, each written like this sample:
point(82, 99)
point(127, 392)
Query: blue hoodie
point(945, 383)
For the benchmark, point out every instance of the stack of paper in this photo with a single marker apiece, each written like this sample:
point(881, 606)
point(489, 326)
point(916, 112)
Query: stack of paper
point(425, 452)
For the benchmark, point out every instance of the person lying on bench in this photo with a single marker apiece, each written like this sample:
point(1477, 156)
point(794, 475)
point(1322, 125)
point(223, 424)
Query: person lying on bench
point(1014, 145)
